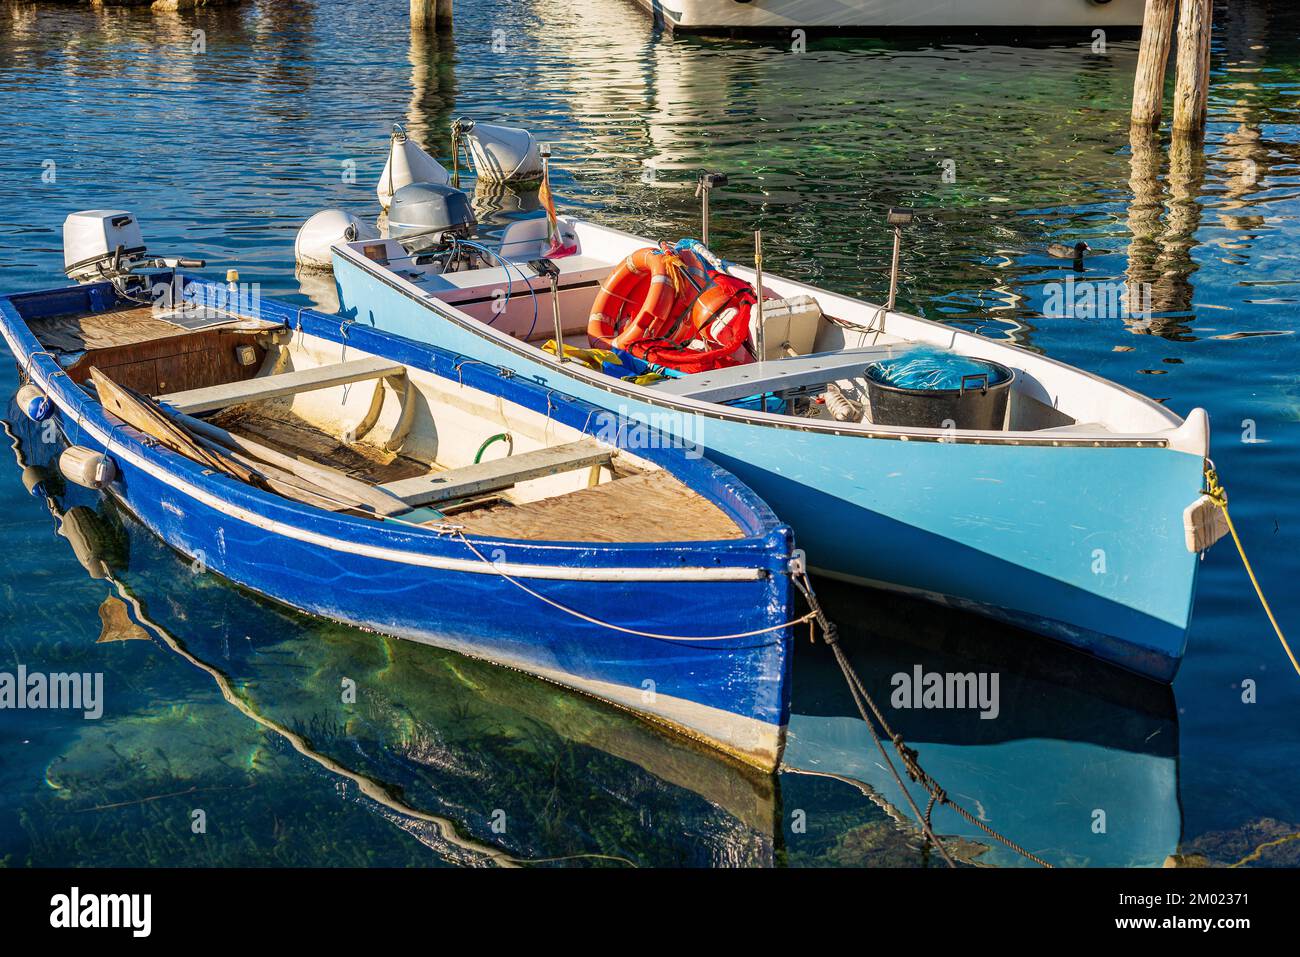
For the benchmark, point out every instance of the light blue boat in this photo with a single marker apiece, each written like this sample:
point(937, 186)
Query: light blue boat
point(1079, 515)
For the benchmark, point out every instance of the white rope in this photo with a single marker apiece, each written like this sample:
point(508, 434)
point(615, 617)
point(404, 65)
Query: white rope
point(627, 631)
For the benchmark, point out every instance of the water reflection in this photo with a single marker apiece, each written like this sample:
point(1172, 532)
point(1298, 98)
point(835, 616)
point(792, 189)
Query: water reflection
point(253, 134)
point(435, 743)
point(1079, 765)
point(432, 56)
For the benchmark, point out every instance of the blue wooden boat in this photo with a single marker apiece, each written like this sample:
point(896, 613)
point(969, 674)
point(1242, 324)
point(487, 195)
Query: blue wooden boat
point(1079, 514)
point(395, 486)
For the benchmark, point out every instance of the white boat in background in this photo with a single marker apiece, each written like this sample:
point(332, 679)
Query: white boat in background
point(707, 15)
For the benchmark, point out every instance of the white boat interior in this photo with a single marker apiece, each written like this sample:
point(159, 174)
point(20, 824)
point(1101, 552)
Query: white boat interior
point(510, 299)
point(334, 427)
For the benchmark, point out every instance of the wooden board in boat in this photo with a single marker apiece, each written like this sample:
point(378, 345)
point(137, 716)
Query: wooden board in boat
point(118, 327)
point(649, 507)
point(286, 432)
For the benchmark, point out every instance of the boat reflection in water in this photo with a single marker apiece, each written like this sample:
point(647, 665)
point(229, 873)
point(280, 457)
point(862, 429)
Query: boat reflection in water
point(1079, 766)
point(440, 745)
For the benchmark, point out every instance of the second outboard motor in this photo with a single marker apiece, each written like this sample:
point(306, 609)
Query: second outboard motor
point(427, 216)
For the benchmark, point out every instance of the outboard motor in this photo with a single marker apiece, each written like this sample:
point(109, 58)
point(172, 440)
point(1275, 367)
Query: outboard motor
point(425, 217)
point(106, 244)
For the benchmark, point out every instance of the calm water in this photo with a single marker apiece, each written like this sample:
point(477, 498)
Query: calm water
point(217, 701)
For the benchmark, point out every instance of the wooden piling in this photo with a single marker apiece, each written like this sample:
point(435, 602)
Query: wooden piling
point(422, 14)
point(1192, 82)
point(430, 14)
point(1149, 84)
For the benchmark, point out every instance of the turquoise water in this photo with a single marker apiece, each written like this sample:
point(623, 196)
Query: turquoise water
point(221, 703)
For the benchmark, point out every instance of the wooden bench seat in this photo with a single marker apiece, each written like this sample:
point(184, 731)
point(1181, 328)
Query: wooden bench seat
point(499, 474)
point(197, 401)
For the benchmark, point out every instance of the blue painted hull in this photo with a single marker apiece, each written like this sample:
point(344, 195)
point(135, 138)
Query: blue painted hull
point(1082, 544)
point(416, 583)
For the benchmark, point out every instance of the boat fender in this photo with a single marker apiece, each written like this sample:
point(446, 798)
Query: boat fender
point(407, 163)
point(322, 231)
point(86, 467)
point(34, 479)
point(36, 405)
point(841, 406)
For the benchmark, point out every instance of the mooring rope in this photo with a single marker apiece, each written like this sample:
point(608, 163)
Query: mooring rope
point(457, 533)
point(909, 757)
point(1219, 496)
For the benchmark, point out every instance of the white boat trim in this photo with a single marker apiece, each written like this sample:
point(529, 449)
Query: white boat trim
point(1190, 435)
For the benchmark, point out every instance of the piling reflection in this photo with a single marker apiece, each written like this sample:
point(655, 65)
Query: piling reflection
point(432, 56)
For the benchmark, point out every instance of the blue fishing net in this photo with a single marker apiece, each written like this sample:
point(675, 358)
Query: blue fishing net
point(932, 369)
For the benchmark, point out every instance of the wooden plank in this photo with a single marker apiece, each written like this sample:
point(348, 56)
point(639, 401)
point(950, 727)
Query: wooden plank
point(341, 487)
point(140, 413)
point(285, 383)
point(740, 382)
point(650, 507)
point(499, 473)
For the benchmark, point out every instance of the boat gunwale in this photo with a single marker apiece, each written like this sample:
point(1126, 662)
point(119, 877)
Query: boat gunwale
point(1040, 438)
point(748, 558)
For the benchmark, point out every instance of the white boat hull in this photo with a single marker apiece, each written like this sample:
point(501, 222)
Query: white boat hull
point(894, 14)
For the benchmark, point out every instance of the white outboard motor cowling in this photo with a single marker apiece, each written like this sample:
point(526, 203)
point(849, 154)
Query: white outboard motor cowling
point(96, 242)
point(318, 236)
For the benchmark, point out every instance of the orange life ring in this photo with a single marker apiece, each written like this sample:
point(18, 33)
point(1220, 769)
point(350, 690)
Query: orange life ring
point(717, 335)
point(643, 287)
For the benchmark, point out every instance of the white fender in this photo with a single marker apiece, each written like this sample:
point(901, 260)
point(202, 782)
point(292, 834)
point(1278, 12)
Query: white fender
point(311, 249)
point(407, 164)
point(503, 154)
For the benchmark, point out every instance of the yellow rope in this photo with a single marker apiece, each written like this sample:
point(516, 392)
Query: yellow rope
point(1258, 852)
point(1219, 496)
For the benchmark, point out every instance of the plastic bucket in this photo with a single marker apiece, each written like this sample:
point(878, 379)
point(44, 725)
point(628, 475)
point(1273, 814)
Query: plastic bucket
point(978, 403)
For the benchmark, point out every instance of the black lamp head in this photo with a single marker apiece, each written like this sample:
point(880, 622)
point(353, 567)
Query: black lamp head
point(899, 217)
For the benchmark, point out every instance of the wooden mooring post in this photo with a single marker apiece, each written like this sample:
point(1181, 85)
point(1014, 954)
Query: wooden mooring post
point(430, 14)
point(1192, 82)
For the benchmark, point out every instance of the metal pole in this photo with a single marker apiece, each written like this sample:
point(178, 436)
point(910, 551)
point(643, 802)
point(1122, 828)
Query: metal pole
point(761, 334)
point(893, 269)
point(553, 271)
point(559, 326)
point(706, 183)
